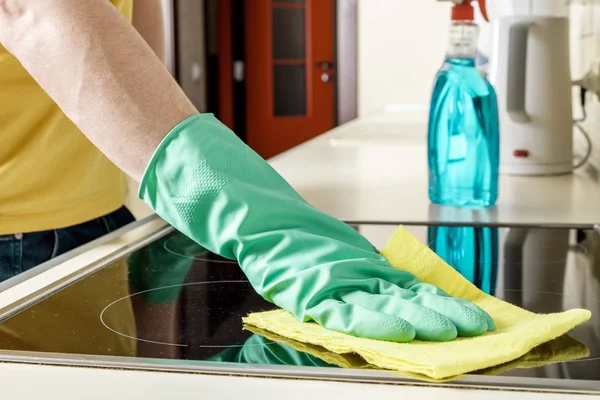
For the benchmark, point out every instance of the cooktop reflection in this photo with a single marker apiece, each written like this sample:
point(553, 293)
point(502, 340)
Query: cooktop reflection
point(172, 299)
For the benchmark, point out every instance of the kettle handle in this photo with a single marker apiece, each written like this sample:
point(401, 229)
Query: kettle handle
point(518, 33)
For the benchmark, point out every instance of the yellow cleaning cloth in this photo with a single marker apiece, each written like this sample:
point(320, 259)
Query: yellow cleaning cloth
point(562, 349)
point(517, 331)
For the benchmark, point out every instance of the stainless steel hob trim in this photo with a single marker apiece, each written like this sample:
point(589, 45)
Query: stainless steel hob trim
point(499, 383)
point(265, 371)
point(478, 224)
point(22, 277)
point(53, 287)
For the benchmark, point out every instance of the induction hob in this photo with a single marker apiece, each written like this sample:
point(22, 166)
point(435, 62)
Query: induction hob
point(172, 300)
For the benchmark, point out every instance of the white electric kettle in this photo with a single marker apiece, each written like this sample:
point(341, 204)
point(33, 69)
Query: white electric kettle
point(530, 70)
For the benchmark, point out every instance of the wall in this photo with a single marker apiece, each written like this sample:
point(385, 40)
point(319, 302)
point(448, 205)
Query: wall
point(401, 44)
point(346, 69)
point(585, 25)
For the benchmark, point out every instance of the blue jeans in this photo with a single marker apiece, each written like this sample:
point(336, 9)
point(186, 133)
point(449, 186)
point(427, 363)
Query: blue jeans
point(21, 252)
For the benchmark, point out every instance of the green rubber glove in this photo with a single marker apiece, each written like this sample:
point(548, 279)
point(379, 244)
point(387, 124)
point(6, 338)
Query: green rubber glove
point(209, 185)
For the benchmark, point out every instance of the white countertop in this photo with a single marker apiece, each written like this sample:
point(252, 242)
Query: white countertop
point(375, 170)
point(62, 382)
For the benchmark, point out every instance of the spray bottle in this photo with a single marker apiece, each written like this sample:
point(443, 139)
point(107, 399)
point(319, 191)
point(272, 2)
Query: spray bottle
point(463, 131)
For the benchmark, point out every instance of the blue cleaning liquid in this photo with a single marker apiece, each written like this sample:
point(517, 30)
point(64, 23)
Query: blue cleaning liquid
point(472, 251)
point(463, 137)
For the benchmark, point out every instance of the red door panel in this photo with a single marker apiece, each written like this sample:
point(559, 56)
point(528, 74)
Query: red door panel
point(290, 80)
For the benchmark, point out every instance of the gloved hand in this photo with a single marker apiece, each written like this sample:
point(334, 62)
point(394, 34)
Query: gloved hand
point(212, 187)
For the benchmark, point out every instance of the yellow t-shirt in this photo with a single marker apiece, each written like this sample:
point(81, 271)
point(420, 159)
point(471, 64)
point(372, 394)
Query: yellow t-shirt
point(51, 175)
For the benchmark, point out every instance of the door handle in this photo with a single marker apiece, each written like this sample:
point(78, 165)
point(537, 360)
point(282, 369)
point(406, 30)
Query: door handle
point(196, 72)
point(325, 65)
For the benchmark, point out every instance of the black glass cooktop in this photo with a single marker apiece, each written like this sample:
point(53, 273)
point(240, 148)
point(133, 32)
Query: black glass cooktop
point(174, 300)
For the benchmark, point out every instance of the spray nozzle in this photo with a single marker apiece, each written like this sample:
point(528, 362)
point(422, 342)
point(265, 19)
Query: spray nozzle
point(483, 10)
point(463, 10)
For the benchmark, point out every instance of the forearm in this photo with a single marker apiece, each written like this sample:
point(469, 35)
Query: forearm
point(101, 73)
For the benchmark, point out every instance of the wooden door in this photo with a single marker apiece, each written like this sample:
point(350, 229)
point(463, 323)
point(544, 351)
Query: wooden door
point(290, 77)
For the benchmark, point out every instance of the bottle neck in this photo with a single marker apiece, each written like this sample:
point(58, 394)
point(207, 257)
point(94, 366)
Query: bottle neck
point(462, 42)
